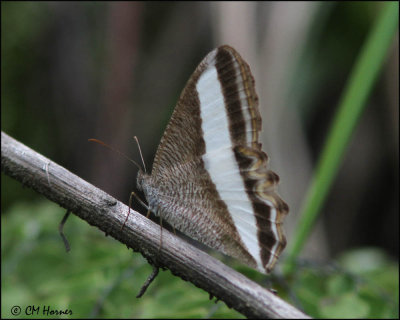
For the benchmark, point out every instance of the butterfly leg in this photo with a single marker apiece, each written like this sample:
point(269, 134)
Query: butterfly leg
point(60, 229)
point(148, 281)
point(161, 228)
point(133, 194)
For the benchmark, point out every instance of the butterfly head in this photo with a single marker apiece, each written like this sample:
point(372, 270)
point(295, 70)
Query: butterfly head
point(144, 183)
point(140, 180)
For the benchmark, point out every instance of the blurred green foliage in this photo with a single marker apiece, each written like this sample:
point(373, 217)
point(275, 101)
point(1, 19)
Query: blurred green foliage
point(99, 277)
point(363, 283)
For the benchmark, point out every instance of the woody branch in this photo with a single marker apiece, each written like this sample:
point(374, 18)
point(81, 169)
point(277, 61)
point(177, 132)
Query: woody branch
point(141, 234)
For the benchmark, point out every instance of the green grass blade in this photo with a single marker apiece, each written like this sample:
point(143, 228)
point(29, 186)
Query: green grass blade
point(352, 103)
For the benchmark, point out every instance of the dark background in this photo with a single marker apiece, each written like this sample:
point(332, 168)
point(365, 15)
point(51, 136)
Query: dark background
point(73, 71)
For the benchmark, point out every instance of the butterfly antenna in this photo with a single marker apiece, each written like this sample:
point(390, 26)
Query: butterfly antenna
point(117, 151)
point(140, 151)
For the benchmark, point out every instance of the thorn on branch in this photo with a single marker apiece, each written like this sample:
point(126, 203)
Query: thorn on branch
point(274, 291)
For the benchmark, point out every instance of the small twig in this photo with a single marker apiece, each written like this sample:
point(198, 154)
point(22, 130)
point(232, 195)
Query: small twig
point(60, 229)
point(149, 280)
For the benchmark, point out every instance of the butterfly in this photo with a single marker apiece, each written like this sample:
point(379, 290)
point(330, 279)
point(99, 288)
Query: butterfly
point(210, 178)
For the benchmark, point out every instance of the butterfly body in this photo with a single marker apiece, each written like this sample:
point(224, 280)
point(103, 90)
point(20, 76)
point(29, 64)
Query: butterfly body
point(210, 178)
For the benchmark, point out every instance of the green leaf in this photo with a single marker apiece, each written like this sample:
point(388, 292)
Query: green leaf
point(348, 305)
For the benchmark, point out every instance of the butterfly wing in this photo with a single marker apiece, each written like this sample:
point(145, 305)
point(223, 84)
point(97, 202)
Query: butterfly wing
point(210, 178)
